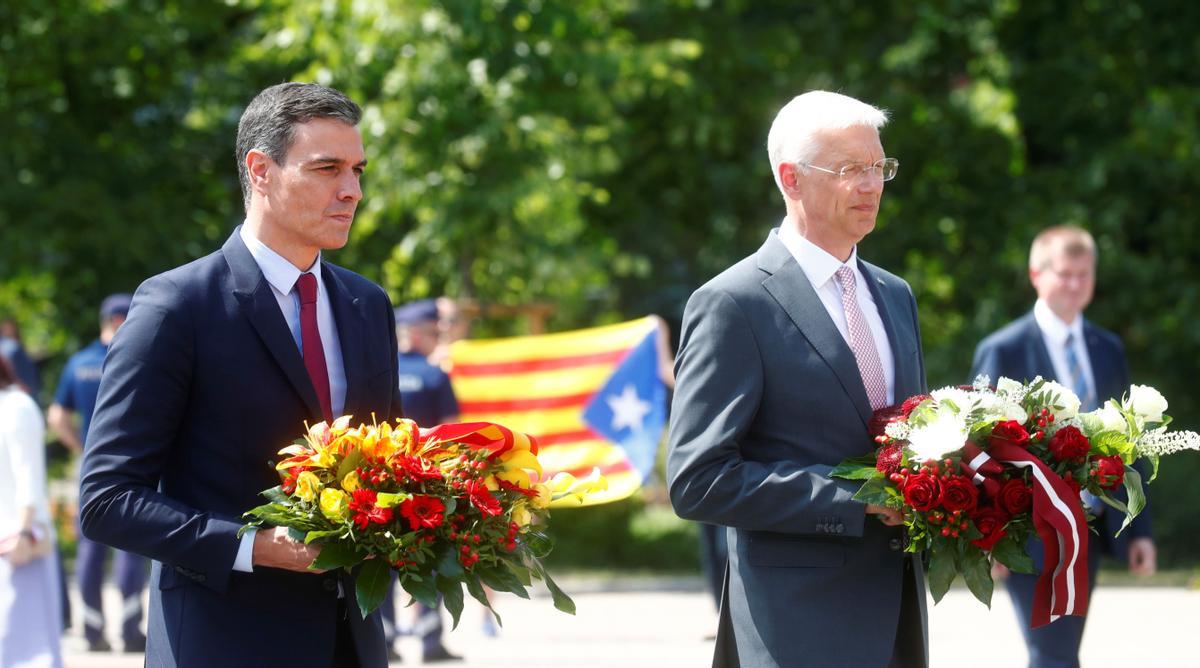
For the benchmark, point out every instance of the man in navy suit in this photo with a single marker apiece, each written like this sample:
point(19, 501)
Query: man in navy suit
point(219, 365)
point(1055, 342)
point(782, 358)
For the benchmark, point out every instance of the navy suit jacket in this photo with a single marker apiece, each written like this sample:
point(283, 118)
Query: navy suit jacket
point(768, 398)
point(202, 386)
point(1018, 351)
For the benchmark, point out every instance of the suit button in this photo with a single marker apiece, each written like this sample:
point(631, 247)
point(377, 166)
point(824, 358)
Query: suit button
point(329, 585)
point(840, 528)
point(895, 544)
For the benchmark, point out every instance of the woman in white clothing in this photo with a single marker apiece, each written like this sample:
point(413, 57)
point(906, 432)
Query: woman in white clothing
point(30, 620)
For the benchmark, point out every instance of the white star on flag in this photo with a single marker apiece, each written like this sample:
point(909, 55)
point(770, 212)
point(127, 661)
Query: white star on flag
point(627, 409)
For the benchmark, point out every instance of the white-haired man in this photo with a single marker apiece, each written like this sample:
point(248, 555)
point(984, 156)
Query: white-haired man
point(782, 359)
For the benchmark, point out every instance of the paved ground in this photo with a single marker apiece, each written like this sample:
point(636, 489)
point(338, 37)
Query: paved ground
point(665, 625)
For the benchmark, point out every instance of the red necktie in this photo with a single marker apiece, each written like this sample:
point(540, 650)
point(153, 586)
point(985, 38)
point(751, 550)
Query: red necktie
point(310, 337)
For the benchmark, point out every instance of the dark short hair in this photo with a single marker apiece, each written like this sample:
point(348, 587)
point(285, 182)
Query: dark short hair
point(268, 124)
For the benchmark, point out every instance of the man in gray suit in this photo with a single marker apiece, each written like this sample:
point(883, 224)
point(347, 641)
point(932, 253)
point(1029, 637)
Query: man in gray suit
point(783, 357)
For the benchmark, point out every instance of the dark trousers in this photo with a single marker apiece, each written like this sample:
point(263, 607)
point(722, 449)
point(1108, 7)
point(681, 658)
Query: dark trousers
point(714, 555)
point(129, 571)
point(428, 626)
point(909, 650)
point(1055, 645)
point(344, 653)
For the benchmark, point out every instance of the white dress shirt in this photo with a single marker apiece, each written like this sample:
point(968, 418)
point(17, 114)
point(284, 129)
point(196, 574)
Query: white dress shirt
point(22, 461)
point(282, 276)
point(1054, 334)
point(821, 268)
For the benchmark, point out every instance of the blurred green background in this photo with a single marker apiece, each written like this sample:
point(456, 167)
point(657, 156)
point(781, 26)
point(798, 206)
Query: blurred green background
point(608, 156)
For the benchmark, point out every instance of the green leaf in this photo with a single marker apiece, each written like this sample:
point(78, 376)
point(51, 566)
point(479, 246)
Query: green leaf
point(371, 584)
point(452, 597)
point(349, 463)
point(521, 572)
point(1153, 459)
point(423, 589)
point(447, 561)
point(856, 468)
point(1137, 496)
point(561, 600)
point(875, 490)
point(941, 571)
point(537, 542)
point(501, 578)
point(477, 593)
point(978, 573)
point(340, 554)
point(277, 495)
point(316, 535)
point(1012, 554)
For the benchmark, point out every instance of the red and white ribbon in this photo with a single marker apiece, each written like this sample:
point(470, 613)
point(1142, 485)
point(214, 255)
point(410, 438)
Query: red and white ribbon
point(1058, 518)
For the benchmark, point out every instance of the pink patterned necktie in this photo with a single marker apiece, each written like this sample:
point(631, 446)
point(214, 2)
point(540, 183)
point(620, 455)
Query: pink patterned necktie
point(861, 342)
point(310, 343)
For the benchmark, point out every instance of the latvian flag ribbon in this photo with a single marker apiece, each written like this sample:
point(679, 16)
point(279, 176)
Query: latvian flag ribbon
point(591, 397)
point(1060, 523)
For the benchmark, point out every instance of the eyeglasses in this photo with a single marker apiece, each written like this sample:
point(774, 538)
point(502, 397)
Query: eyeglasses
point(884, 170)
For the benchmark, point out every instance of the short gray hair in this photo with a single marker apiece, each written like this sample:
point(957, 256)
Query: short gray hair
point(793, 136)
point(268, 124)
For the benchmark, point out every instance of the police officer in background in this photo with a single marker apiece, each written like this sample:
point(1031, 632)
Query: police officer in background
point(428, 399)
point(76, 398)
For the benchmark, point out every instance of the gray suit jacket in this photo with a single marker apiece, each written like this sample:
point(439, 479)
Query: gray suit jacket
point(768, 399)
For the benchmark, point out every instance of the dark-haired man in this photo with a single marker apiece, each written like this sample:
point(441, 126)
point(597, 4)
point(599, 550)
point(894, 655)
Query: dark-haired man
point(220, 364)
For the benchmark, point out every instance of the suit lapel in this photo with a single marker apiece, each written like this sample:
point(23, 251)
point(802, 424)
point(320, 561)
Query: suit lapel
point(258, 304)
point(351, 326)
point(791, 289)
point(899, 337)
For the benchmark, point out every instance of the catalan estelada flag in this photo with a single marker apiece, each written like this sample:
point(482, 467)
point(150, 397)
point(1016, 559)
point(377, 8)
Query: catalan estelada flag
point(591, 397)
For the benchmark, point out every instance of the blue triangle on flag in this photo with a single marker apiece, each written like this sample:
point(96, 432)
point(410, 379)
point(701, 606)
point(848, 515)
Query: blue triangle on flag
point(631, 408)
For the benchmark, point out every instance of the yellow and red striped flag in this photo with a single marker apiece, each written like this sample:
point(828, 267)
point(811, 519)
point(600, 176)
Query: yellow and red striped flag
point(591, 397)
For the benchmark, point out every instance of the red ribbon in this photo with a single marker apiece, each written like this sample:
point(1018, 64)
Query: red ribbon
point(1059, 520)
point(489, 436)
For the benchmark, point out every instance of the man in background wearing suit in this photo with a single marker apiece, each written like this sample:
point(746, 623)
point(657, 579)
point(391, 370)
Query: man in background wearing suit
point(782, 358)
point(1055, 342)
point(219, 365)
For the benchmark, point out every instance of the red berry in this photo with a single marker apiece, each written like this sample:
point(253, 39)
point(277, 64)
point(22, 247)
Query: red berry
point(945, 531)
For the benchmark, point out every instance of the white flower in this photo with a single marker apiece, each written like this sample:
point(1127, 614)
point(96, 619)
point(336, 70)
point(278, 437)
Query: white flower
point(1012, 411)
point(1159, 442)
point(1146, 402)
point(1065, 400)
point(1110, 416)
point(897, 430)
point(963, 400)
point(982, 383)
point(1009, 386)
point(946, 432)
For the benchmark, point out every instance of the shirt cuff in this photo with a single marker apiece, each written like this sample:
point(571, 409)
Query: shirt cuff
point(245, 555)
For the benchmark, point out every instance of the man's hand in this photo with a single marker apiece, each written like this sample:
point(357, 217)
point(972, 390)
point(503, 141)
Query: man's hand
point(274, 548)
point(1143, 558)
point(889, 516)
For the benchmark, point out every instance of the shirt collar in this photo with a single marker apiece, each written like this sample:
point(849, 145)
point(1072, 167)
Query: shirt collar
point(818, 265)
point(280, 273)
point(1053, 327)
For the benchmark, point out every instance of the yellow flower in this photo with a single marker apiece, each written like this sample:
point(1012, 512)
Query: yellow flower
point(351, 482)
point(520, 459)
point(542, 500)
point(335, 504)
point(518, 477)
point(521, 515)
point(491, 483)
point(570, 492)
point(308, 486)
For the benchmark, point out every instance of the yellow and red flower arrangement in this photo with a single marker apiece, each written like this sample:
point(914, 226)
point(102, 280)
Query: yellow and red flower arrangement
point(451, 506)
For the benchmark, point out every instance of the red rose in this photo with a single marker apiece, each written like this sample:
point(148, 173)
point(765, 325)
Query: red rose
point(887, 461)
point(423, 512)
point(959, 493)
point(922, 492)
point(1069, 444)
point(1015, 497)
point(990, 521)
point(1109, 471)
point(1009, 432)
point(482, 499)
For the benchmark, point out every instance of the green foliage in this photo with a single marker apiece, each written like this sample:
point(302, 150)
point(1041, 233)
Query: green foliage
point(608, 156)
point(626, 535)
point(372, 581)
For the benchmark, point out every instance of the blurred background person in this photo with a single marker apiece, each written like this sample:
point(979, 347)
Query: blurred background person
point(69, 418)
point(14, 351)
point(1054, 341)
point(427, 399)
point(452, 325)
point(30, 619)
